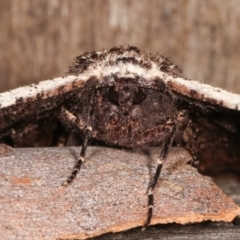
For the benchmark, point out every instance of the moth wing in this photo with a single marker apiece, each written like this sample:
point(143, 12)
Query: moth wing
point(218, 137)
point(215, 114)
point(29, 112)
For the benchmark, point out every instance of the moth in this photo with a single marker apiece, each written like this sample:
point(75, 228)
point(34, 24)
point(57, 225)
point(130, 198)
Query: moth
point(124, 97)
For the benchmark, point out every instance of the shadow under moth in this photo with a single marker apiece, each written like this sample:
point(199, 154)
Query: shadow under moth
point(126, 98)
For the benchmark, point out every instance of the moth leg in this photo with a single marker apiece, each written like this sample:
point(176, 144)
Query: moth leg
point(161, 160)
point(73, 121)
point(193, 149)
point(67, 118)
point(77, 166)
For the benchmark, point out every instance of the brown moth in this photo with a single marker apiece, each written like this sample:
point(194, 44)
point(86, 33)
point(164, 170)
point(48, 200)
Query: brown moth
point(128, 98)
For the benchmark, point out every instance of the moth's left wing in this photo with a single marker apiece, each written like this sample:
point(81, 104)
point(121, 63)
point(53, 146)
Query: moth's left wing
point(216, 116)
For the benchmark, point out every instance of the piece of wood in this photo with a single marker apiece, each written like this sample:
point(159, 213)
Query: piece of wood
point(108, 195)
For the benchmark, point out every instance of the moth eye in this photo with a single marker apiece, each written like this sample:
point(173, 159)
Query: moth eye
point(139, 96)
point(113, 95)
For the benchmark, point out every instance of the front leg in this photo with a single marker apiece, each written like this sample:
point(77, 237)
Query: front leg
point(77, 166)
point(162, 158)
point(72, 122)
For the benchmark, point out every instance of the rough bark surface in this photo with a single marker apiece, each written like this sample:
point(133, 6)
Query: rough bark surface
point(109, 194)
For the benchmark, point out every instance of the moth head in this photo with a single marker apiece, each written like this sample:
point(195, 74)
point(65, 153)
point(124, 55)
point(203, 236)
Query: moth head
point(125, 93)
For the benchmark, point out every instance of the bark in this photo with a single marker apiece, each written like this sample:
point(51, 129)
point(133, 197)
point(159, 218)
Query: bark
point(108, 195)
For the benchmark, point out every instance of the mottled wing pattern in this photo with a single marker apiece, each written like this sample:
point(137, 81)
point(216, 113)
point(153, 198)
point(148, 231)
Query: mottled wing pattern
point(218, 140)
point(28, 115)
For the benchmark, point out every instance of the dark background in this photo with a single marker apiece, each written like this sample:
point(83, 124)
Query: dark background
point(40, 38)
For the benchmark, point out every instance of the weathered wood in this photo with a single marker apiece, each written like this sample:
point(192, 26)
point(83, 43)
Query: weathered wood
point(109, 194)
point(40, 38)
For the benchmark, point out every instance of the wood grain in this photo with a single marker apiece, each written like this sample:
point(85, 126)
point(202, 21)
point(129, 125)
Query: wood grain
point(40, 38)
